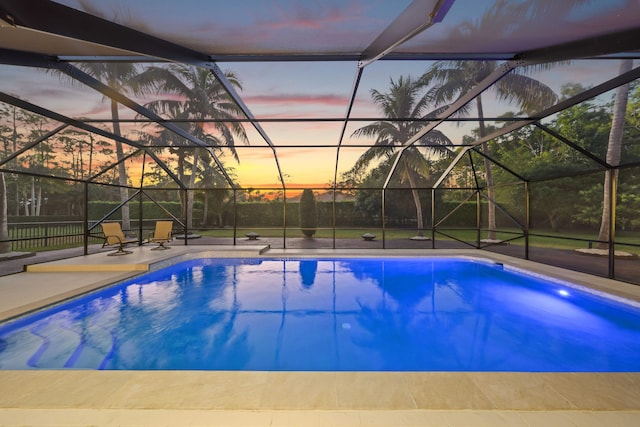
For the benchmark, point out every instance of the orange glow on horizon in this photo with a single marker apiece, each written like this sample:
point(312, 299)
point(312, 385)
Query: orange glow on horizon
point(273, 191)
point(289, 186)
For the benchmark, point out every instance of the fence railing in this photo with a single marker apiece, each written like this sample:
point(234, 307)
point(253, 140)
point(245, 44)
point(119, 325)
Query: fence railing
point(38, 236)
point(26, 236)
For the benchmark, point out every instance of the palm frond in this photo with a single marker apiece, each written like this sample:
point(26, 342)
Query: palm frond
point(530, 94)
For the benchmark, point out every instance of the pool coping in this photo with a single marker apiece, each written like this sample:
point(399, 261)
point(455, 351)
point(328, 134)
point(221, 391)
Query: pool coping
point(257, 390)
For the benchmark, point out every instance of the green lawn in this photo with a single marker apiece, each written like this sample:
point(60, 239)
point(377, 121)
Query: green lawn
point(320, 233)
point(551, 239)
point(548, 241)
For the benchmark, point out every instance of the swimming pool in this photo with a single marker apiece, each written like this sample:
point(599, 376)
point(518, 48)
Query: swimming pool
point(349, 314)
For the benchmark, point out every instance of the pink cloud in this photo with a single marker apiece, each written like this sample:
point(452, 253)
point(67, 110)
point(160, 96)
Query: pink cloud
point(293, 27)
point(288, 99)
point(310, 16)
point(99, 109)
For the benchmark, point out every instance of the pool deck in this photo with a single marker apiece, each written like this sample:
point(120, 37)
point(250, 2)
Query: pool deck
point(87, 397)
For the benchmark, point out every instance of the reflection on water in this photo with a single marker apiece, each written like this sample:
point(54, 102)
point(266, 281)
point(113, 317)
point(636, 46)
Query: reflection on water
point(308, 268)
point(331, 314)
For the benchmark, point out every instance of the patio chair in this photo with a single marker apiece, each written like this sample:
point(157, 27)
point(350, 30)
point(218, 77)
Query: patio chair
point(161, 235)
point(113, 236)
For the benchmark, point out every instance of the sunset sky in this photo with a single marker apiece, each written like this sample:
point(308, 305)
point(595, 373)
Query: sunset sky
point(287, 89)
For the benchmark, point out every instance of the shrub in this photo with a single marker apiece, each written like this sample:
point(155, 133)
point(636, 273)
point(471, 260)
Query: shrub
point(308, 213)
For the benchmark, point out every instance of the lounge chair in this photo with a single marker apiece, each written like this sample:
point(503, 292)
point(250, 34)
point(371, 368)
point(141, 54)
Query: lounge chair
point(113, 236)
point(161, 235)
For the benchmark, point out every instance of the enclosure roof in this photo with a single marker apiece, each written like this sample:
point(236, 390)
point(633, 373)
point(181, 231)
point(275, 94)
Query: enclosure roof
point(296, 39)
point(297, 30)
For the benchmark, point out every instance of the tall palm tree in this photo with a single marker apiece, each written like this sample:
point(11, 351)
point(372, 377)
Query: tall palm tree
point(452, 79)
point(122, 77)
point(457, 77)
point(5, 245)
point(198, 96)
point(405, 99)
point(217, 193)
point(614, 149)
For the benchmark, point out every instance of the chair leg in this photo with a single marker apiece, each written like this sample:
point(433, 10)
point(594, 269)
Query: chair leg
point(160, 247)
point(120, 251)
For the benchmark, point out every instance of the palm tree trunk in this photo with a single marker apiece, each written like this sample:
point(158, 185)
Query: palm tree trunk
point(192, 184)
point(416, 201)
point(122, 170)
point(90, 154)
point(80, 160)
point(205, 208)
point(14, 138)
point(183, 202)
point(17, 197)
point(491, 208)
point(5, 246)
point(613, 152)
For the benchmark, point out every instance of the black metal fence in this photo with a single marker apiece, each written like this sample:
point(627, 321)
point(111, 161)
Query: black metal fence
point(41, 236)
point(29, 236)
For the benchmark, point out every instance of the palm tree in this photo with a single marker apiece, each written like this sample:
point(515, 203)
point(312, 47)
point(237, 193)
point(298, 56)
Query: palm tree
point(199, 96)
point(5, 245)
point(453, 79)
point(120, 76)
point(613, 151)
point(404, 100)
point(457, 77)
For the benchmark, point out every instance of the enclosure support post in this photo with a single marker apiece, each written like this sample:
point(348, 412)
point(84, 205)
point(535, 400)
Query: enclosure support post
point(140, 205)
point(86, 218)
point(284, 218)
point(140, 211)
point(433, 218)
point(186, 217)
point(235, 215)
point(526, 219)
point(333, 214)
point(384, 222)
point(613, 178)
point(478, 218)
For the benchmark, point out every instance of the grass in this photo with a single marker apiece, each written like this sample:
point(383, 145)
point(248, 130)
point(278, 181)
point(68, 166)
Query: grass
point(550, 239)
point(320, 233)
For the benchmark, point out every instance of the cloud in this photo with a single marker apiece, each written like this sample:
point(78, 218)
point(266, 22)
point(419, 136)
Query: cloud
point(269, 27)
point(297, 106)
point(100, 109)
point(315, 16)
point(287, 99)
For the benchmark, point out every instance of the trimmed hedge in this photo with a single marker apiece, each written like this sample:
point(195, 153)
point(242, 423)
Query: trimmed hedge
point(271, 213)
point(12, 219)
point(308, 213)
point(98, 209)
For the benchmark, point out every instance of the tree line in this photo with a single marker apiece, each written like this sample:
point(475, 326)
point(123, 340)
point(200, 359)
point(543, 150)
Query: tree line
point(199, 104)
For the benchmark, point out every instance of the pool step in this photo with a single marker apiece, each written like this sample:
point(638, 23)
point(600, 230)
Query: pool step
point(56, 347)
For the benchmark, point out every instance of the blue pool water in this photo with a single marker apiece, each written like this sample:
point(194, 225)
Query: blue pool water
point(409, 314)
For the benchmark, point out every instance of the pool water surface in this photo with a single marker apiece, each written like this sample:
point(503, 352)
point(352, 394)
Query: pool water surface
point(348, 314)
